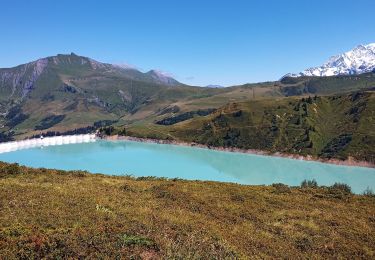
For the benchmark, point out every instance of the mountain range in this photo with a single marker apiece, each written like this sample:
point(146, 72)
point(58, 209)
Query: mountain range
point(68, 91)
point(359, 60)
point(73, 91)
point(23, 78)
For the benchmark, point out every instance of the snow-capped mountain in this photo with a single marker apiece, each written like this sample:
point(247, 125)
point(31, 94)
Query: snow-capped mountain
point(359, 60)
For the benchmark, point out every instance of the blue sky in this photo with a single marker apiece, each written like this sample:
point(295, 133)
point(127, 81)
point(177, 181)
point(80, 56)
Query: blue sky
point(198, 42)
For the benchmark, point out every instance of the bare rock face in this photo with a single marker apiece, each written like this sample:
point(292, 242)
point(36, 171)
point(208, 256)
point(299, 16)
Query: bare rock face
point(38, 69)
point(21, 79)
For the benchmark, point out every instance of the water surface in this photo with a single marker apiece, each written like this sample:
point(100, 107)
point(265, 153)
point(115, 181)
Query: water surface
point(172, 161)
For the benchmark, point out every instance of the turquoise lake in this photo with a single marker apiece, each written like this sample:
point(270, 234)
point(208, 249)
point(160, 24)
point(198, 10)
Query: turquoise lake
point(171, 161)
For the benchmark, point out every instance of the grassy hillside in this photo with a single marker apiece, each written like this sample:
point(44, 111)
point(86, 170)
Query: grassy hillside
point(339, 126)
point(56, 214)
point(82, 91)
point(326, 85)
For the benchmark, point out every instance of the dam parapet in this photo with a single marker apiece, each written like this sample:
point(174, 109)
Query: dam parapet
point(46, 141)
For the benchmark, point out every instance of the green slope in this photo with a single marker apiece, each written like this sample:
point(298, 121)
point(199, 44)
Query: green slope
point(81, 91)
point(339, 126)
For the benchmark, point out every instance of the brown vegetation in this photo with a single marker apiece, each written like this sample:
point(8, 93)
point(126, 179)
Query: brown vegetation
point(57, 214)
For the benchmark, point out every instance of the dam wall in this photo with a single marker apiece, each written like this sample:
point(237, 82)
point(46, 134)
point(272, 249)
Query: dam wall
point(46, 141)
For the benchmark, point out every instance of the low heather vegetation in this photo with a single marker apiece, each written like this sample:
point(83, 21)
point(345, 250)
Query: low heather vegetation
point(57, 214)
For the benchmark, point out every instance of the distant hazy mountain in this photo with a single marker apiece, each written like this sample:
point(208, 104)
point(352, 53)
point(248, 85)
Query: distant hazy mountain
point(214, 86)
point(356, 61)
point(162, 78)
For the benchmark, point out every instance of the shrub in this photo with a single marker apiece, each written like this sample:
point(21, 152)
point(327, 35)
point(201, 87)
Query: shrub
point(309, 184)
point(122, 132)
point(304, 244)
point(6, 137)
point(80, 173)
point(11, 169)
point(368, 192)
point(162, 192)
point(184, 116)
point(237, 198)
point(133, 240)
point(126, 187)
point(109, 130)
point(49, 121)
point(343, 187)
point(150, 178)
point(339, 190)
point(281, 188)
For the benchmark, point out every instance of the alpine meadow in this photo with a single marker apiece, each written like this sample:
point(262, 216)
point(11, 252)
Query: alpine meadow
point(245, 131)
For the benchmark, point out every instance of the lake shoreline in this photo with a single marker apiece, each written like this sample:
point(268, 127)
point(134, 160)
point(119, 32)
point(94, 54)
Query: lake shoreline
point(348, 162)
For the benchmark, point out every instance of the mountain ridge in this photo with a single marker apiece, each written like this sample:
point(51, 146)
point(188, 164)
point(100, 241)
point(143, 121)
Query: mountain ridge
point(67, 92)
point(39, 65)
point(359, 60)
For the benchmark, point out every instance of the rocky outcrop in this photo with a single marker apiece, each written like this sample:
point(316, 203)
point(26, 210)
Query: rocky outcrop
point(21, 80)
